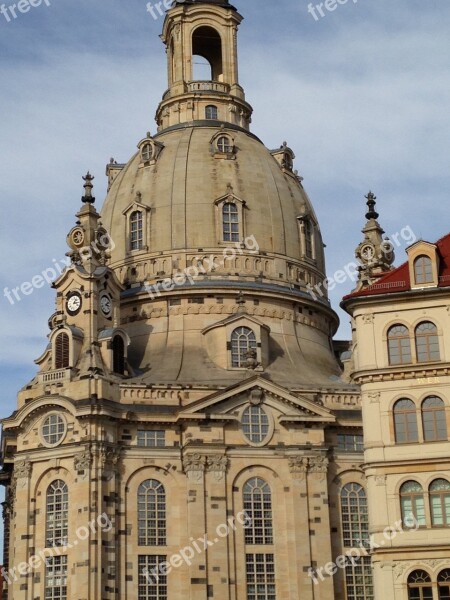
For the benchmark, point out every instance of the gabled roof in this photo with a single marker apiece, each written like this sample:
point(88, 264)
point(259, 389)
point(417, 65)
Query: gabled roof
point(399, 280)
point(295, 408)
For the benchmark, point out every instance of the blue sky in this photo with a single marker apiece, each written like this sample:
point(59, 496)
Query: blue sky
point(361, 95)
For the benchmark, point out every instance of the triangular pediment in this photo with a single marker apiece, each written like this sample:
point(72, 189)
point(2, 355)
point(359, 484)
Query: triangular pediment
point(225, 402)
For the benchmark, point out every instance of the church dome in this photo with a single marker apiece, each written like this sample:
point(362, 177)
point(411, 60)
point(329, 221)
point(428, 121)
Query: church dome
point(181, 195)
point(214, 237)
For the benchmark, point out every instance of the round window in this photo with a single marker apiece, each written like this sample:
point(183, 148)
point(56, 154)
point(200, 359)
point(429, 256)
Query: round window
point(53, 429)
point(255, 424)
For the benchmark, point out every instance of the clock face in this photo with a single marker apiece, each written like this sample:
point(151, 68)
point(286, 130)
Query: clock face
point(73, 303)
point(106, 305)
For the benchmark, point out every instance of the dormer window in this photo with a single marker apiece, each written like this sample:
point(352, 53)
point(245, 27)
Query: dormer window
point(230, 221)
point(243, 340)
point(146, 152)
point(211, 113)
point(225, 145)
point(423, 262)
point(307, 237)
point(136, 230)
point(423, 270)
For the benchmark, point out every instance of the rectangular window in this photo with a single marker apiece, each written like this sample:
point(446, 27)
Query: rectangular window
point(413, 510)
point(151, 438)
point(152, 578)
point(350, 443)
point(359, 578)
point(260, 577)
point(56, 578)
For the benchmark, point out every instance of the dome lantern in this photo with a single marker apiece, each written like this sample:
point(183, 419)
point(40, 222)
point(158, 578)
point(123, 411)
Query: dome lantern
point(201, 42)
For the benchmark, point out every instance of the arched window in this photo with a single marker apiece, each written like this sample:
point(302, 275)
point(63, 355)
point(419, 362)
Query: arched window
point(57, 514)
point(412, 504)
point(427, 342)
point(146, 152)
point(224, 144)
point(258, 509)
point(211, 113)
point(423, 270)
point(230, 221)
point(118, 350)
point(440, 503)
point(405, 421)
point(207, 44)
point(255, 424)
point(433, 417)
point(151, 513)
point(62, 352)
point(136, 230)
point(243, 339)
point(399, 345)
point(419, 586)
point(444, 584)
point(355, 516)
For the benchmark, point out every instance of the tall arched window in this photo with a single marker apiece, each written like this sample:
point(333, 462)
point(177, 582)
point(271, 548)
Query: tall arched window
point(151, 513)
point(423, 270)
point(399, 345)
point(207, 44)
point(440, 503)
point(243, 339)
point(62, 351)
point(355, 515)
point(419, 586)
point(405, 421)
point(427, 342)
point(211, 113)
point(444, 584)
point(230, 221)
point(57, 514)
point(433, 418)
point(136, 230)
point(118, 350)
point(412, 504)
point(258, 508)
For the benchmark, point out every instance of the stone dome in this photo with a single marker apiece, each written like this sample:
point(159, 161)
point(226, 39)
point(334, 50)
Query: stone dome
point(180, 192)
point(214, 235)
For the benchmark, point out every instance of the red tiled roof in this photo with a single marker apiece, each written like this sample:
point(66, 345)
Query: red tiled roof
point(398, 280)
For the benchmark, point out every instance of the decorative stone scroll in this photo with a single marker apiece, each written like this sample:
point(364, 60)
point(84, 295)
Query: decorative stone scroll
point(217, 464)
point(194, 466)
point(298, 466)
point(83, 461)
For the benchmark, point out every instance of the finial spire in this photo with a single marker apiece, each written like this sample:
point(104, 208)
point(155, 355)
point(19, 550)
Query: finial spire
point(88, 185)
point(371, 203)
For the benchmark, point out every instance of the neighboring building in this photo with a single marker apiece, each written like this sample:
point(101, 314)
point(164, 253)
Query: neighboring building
point(401, 357)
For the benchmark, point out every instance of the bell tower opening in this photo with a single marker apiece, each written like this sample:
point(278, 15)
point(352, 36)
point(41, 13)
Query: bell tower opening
point(207, 45)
